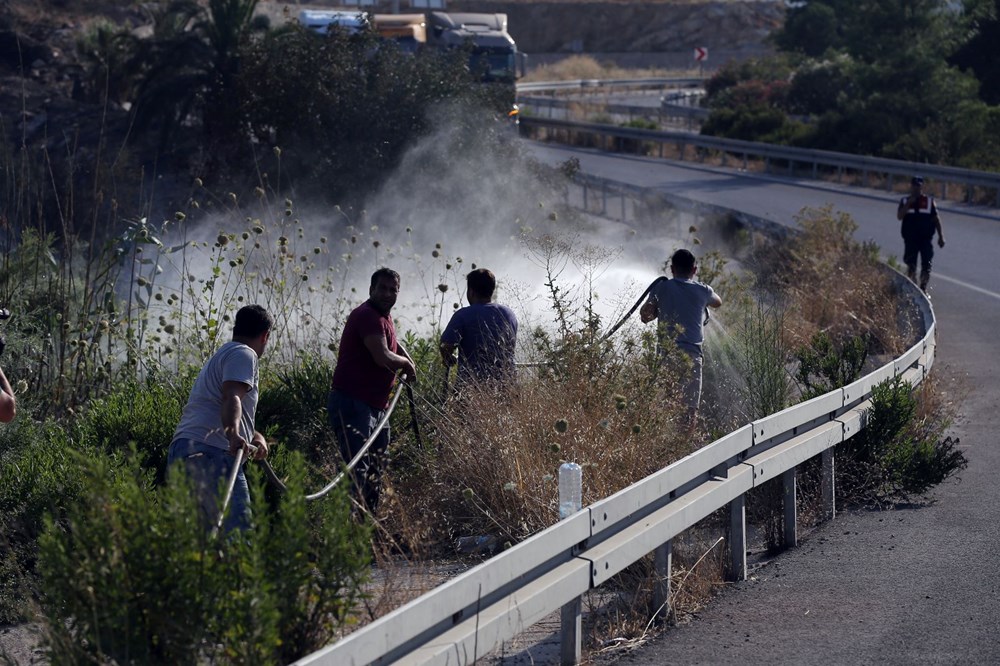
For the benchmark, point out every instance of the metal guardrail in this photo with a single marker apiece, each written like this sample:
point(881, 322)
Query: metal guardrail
point(665, 114)
point(773, 155)
point(472, 614)
point(590, 84)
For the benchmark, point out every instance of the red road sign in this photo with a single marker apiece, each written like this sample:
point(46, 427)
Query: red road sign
point(701, 53)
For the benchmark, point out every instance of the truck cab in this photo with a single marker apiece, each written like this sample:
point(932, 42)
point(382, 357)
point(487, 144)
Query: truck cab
point(494, 53)
point(320, 20)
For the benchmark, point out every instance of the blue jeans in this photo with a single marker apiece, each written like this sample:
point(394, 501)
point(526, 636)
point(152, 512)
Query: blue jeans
point(209, 468)
point(353, 421)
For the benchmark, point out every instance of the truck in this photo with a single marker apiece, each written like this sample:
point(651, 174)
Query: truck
point(409, 31)
point(320, 20)
point(494, 52)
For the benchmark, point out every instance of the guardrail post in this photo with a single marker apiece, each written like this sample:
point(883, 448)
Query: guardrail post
point(571, 614)
point(827, 482)
point(662, 560)
point(738, 539)
point(789, 504)
point(570, 644)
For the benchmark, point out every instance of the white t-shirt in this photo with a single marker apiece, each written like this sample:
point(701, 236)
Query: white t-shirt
point(201, 419)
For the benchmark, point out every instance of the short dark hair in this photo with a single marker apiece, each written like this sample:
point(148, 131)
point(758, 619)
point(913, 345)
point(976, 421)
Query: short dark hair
point(252, 321)
point(917, 180)
point(683, 261)
point(384, 273)
point(482, 281)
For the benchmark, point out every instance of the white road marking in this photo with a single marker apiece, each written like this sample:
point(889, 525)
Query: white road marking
point(967, 285)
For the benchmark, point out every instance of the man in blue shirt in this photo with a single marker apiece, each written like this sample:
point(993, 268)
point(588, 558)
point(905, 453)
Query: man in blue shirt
point(484, 333)
point(678, 304)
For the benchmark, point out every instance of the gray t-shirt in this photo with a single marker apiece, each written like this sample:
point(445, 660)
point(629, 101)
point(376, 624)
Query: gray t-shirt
point(681, 306)
point(201, 420)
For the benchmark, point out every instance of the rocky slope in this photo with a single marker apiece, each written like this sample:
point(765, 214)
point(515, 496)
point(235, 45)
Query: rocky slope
point(635, 27)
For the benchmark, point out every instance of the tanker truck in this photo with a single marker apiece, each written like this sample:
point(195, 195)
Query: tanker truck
point(409, 31)
point(493, 56)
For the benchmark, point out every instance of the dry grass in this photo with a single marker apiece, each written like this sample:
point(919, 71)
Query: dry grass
point(836, 284)
point(493, 470)
point(587, 67)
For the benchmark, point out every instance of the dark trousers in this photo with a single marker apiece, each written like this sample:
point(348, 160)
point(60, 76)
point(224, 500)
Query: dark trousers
point(911, 249)
point(353, 422)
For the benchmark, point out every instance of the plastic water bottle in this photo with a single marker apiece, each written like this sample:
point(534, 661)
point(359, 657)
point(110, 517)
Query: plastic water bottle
point(570, 489)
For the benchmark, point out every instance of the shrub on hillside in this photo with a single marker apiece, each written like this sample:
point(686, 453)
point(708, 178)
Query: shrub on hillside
point(41, 477)
point(292, 406)
point(133, 576)
point(825, 364)
point(139, 414)
point(901, 452)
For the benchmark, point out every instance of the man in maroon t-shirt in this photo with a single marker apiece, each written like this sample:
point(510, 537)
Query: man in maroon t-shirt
point(367, 361)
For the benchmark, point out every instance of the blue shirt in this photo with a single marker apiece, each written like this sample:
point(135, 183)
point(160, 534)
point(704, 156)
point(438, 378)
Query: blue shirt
point(485, 334)
point(681, 306)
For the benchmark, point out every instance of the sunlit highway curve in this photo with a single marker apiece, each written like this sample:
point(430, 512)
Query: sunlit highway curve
point(973, 233)
point(919, 585)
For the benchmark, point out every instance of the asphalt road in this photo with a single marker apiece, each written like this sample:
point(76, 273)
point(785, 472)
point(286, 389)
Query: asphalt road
point(913, 585)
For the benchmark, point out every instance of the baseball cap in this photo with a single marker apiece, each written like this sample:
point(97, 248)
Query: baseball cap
point(917, 180)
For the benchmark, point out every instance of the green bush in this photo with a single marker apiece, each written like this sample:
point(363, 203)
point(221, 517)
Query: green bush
point(133, 577)
point(292, 407)
point(41, 476)
point(143, 414)
point(825, 365)
point(900, 454)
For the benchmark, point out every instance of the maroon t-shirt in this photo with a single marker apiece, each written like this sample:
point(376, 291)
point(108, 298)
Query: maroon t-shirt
point(357, 374)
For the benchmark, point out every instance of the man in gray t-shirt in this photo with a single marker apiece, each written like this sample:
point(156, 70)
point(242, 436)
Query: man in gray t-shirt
point(679, 305)
point(218, 419)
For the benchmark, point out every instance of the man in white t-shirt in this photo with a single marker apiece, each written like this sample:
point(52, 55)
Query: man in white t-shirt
point(679, 304)
point(218, 419)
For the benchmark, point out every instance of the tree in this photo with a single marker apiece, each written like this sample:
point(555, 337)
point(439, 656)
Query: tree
point(342, 108)
point(876, 80)
point(810, 30)
point(189, 63)
point(979, 54)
